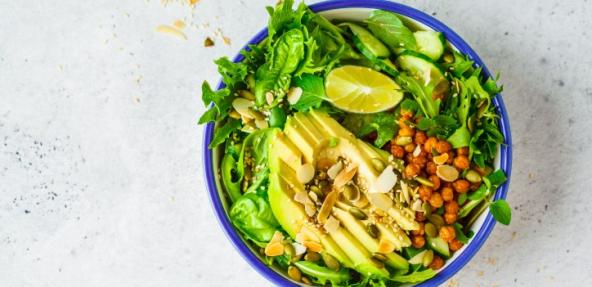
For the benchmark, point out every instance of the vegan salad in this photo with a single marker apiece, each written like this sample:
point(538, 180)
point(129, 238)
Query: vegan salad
point(355, 153)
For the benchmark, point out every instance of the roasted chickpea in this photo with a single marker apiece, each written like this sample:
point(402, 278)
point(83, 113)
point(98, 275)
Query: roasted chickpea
point(397, 151)
point(403, 121)
point(409, 148)
point(420, 231)
point(450, 157)
point(436, 200)
point(461, 162)
point(418, 241)
point(443, 146)
point(430, 144)
point(406, 113)
point(455, 245)
point(437, 263)
point(461, 185)
point(412, 170)
point(462, 151)
point(420, 216)
point(450, 218)
point(475, 186)
point(447, 233)
point(447, 194)
point(425, 193)
point(435, 180)
point(406, 131)
point(451, 207)
point(420, 161)
point(431, 168)
point(420, 137)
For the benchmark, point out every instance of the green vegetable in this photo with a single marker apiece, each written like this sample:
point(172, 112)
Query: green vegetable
point(321, 274)
point(415, 277)
point(232, 73)
point(368, 45)
point(221, 99)
point(390, 29)
point(223, 132)
point(460, 234)
point(383, 123)
point(252, 215)
point(229, 175)
point(277, 118)
point(422, 94)
point(462, 136)
point(441, 125)
point(501, 211)
point(313, 92)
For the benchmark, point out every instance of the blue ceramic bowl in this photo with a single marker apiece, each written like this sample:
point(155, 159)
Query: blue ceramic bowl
point(359, 10)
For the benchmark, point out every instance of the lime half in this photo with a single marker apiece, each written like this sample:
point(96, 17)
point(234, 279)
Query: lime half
point(362, 90)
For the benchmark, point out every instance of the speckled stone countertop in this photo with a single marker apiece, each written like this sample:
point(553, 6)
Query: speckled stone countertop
point(100, 168)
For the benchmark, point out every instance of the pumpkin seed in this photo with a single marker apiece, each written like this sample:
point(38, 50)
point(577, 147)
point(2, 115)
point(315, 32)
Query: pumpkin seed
point(324, 186)
point(447, 173)
point(246, 94)
point(361, 202)
point(305, 280)
point(403, 141)
point(430, 229)
point(294, 273)
point(427, 208)
point(436, 219)
point(372, 230)
point(379, 257)
point(350, 192)
point(312, 256)
point(424, 181)
point(289, 249)
point(448, 58)
point(330, 261)
point(428, 257)
point(378, 164)
point(316, 190)
point(473, 176)
point(358, 213)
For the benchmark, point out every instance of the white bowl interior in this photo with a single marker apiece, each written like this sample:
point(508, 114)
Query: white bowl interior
point(355, 14)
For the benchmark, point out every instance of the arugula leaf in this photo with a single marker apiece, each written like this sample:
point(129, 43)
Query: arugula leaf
point(383, 123)
point(209, 116)
point(480, 193)
point(501, 211)
point(462, 65)
point(422, 94)
point(223, 132)
point(232, 73)
point(322, 274)
point(221, 99)
point(313, 92)
point(390, 29)
point(252, 215)
point(440, 125)
point(409, 105)
point(460, 235)
point(491, 86)
point(462, 136)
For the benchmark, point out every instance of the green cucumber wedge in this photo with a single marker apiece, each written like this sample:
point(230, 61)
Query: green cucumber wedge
point(430, 43)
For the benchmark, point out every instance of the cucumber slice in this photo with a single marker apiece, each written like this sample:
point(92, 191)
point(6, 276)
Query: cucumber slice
point(421, 67)
point(387, 66)
point(430, 43)
point(418, 258)
point(439, 245)
point(368, 45)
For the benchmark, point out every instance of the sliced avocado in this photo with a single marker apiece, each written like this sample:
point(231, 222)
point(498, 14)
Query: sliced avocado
point(358, 254)
point(357, 228)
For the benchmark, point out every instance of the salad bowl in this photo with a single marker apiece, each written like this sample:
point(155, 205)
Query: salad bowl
point(358, 10)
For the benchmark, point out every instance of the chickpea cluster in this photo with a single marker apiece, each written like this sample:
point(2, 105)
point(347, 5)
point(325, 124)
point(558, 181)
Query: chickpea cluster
point(419, 155)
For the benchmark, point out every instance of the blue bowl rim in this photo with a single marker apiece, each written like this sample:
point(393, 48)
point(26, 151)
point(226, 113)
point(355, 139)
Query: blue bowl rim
point(505, 150)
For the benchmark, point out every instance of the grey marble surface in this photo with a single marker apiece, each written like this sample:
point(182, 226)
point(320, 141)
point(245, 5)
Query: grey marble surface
point(100, 169)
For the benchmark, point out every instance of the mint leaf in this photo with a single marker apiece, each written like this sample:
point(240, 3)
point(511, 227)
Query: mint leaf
point(390, 29)
point(313, 92)
point(460, 234)
point(496, 178)
point(501, 211)
point(440, 125)
point(480, 193)
point(221, 99)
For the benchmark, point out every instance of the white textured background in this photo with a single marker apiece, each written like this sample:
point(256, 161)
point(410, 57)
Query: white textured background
point(100, 168)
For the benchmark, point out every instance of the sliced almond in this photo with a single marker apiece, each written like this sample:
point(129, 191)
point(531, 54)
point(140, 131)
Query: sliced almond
point(417, 205)
point(381, 200)
point(261, 124)
point(334, 170)
point(310, 209)
point(299, 249)
point(234, 114)
point(277, 237)
point(242, 105)
point(313, 196)
point(294, 95)
point(385, 181)
point(313, 246)
point(305, 172)
point(302, 197)
point(345, 175)
point(274, 249)
point(331, 225)
point(328, 204)
point(246, 94)
point(305, 234)
point(441, 159)
point(269, 98)
point(417, 151)
point(385, 246)
point(447, 173)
